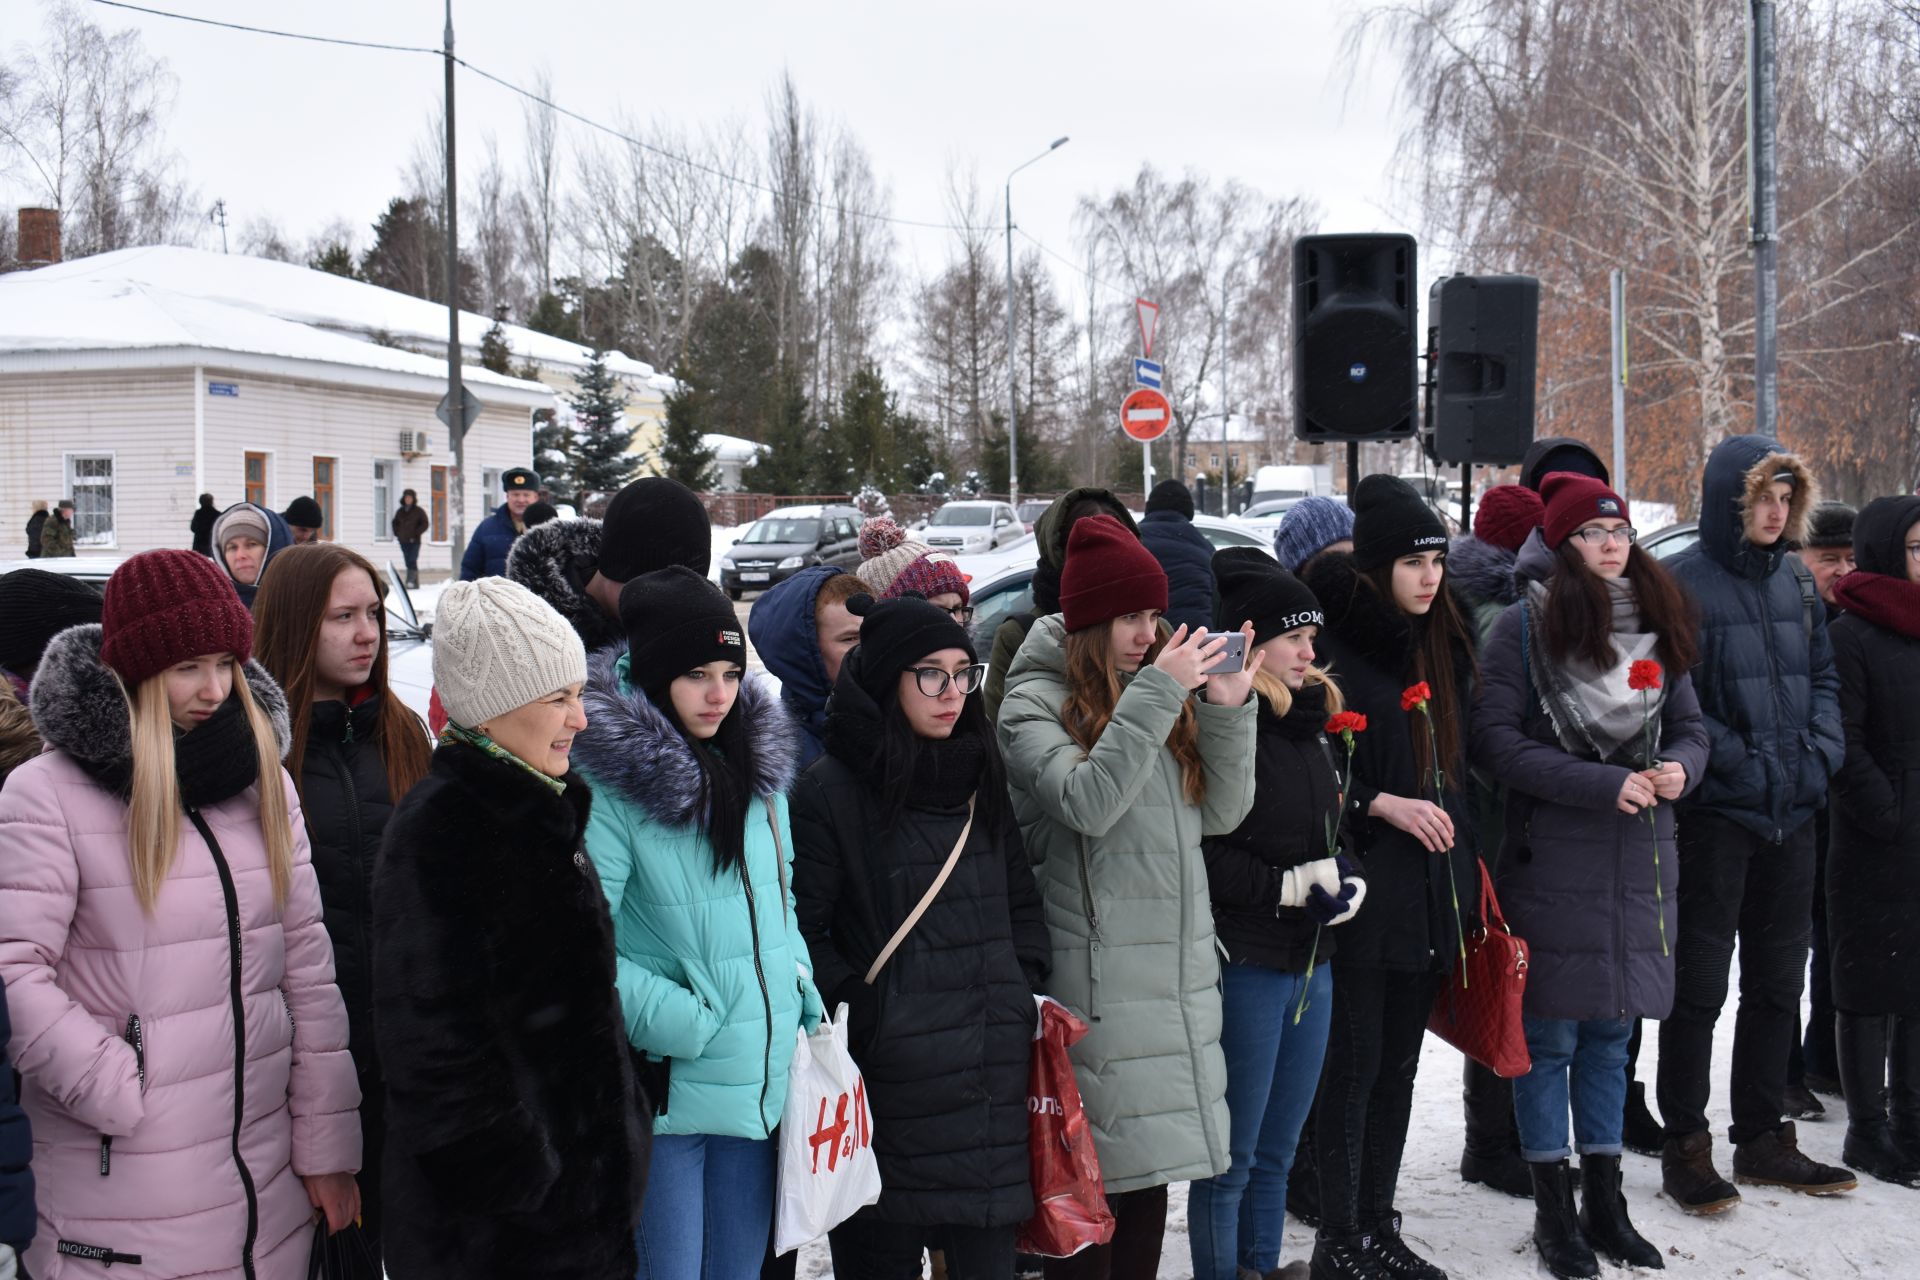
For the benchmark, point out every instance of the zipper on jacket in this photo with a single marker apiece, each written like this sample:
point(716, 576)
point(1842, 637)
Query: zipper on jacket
point(1093, 929)
point(237, 998)
point(138, 1040)
point(766, 1000)
point(363, 906)
point(1774, 806)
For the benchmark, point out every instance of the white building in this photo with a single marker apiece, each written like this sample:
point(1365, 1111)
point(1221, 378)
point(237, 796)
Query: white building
point(731, 457)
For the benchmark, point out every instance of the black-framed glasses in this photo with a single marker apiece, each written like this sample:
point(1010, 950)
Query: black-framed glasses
point(1913, 551)
point(933, 681)
point(960, 613)
point(1594, 536)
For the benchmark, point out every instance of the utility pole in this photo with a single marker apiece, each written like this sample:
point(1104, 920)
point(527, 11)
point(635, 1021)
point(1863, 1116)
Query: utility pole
point(1226, 416)
point(1763, 215)
point(1619, 381)
point(219, 218)
point(1013, 361)
point(456, 392)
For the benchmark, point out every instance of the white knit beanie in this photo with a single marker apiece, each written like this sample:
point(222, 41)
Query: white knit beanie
point(885, 549)
point(497, 646)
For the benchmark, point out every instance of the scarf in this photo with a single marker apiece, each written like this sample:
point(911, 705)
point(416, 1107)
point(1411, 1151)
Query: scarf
point(1593, 712)
point(947, 770)
point(214, 761)
point(1890, 603)
point(481, 742)
point(1306, 718)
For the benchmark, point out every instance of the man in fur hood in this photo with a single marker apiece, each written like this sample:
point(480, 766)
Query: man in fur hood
point(1770, 698)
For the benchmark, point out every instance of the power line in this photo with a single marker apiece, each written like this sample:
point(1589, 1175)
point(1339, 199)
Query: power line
point(588, 121)
point(1074, 267)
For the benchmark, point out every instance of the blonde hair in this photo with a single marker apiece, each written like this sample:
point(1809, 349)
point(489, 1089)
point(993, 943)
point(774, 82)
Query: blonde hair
point(1268, 685)
point(154, 807)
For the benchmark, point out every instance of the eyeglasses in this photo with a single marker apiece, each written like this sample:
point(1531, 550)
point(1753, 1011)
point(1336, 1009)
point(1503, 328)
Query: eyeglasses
point(933, 681)
point(1913, 551)
point(1595, 536)
point(960, 613)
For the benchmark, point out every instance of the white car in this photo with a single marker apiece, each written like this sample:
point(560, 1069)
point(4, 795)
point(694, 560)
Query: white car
point(969, 528)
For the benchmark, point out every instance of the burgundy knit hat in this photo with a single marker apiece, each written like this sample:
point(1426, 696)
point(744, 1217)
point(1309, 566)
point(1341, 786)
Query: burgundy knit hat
point(1573, 500)
point(164, 607)
point(1108, 574)
point(934, 573)
point(1507, 514)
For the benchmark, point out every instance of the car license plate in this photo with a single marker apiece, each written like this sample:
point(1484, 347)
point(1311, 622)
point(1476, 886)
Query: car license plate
point(755, 577)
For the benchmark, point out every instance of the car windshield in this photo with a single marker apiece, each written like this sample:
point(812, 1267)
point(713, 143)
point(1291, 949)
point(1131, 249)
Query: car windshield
point(1031, 511)
point(962, 513)
point(779, 530)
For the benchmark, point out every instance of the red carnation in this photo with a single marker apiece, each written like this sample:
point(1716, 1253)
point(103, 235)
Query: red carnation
point(1347, 722)
point(1415, 696)
point(1644, 674)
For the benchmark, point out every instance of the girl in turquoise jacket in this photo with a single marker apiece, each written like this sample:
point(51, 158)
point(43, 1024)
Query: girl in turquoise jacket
point(689, 764)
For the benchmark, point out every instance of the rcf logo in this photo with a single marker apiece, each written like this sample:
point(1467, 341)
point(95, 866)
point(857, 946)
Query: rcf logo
point(845, 1135)
point(726, 637)
point(1044, 1106)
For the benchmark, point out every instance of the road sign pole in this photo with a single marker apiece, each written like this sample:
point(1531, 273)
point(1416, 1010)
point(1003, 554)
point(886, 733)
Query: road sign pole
point(1146, 468)
point(456, 392)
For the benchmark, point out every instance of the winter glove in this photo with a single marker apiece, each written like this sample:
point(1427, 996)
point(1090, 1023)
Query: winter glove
point(1328, 908)
point(9, 1263)
point(1295, 883)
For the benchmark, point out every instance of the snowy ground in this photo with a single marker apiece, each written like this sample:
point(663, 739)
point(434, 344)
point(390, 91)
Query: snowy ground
point(1478, 1234)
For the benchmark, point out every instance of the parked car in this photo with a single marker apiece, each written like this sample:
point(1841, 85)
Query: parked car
point(1671, 541)
point(962, 528)
point(1031, 511)
point(787, 540)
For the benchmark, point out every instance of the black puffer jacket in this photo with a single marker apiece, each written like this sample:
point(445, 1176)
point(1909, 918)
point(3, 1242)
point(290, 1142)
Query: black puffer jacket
point(1184, 552)
point(1296, 796)
point(1767, 687)
point(944, 1036)
point(1368, 648)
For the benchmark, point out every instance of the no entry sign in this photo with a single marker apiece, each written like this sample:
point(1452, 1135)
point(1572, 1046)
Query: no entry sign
point(1145, 414)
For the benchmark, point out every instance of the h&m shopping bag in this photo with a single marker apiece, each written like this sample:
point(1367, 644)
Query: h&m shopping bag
point(827, 1167)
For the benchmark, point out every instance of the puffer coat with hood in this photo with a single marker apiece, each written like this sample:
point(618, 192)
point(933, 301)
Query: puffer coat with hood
point(1117, 847)
point(183, 1068)
point(786, 635)
point(556, 561)
point(279, 538)
point(1768, 690)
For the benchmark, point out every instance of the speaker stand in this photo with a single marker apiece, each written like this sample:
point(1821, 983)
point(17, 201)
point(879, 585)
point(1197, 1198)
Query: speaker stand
point(1466, 497)
point(1353, 470)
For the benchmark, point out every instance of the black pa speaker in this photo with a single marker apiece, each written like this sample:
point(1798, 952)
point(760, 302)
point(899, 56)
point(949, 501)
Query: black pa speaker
point(1481, 333)
point(1354, 338)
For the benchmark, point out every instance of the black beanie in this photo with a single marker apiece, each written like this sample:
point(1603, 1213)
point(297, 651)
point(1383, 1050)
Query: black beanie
point(36, 606)
point(1880, 535)
point(896, 634)
point(1254, 588)
point(675, 621)
point(1830, 525)
point(1390, 520)
point(304, 513)
point(651, 524)
point(1170, 495)
point(1560, 453)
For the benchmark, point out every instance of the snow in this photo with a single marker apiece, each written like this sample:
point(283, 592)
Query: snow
point(732, 448)
point(316, 300)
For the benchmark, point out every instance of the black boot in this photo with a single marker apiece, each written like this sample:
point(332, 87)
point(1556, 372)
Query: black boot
point(1775, 1160)
point(1640, 1132)
point(1688, 1177)
point(1903, 1085)
point(1869, 1146)
point(1492, 1154)
point(1395, 1259)
point(1344, 1258)
point(1603, 1216)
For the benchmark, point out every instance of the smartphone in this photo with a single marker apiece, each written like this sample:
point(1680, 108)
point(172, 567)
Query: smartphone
point(1232, 658)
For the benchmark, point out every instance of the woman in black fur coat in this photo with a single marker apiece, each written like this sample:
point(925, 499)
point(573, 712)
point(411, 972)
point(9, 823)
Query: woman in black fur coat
point(514, 1147)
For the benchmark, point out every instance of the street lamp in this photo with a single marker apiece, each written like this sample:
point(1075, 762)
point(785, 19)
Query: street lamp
point(1013, 381)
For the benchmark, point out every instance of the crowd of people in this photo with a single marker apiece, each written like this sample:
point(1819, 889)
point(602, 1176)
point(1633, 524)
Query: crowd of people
point(519, 996)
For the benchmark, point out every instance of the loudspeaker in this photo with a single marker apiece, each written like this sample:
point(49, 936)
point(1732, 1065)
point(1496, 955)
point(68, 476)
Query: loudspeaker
point(1481, 333)
point(1354, 338)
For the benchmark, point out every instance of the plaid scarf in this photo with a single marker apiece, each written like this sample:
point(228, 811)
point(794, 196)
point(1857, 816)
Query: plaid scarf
point(481, 742)
point(1594, 713)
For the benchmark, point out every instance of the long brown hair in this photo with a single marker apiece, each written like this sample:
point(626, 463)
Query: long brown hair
point(1578, 619)
point(287, 615)
point(1433, 647)
point(1093, 689)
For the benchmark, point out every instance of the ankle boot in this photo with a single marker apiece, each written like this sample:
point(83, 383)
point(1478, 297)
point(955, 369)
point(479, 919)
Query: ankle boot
point(1640, 1132)
point(1344, 1258)
point(1688, 1177)
point(1869, 1145)
point(1556, 1230)
point(1903, 1085)
point(1492, 1153)
point(1603, 1215)
point(1775, 1160)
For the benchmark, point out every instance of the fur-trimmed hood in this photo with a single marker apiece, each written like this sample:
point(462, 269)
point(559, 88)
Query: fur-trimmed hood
point(632, 749)
point(1738, 471)
point(556, 561)
point(1481, 572)
point(80, 706)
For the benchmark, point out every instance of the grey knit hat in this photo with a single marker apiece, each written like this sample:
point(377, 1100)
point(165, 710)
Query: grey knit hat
point(1310, 526)
point(496, 647)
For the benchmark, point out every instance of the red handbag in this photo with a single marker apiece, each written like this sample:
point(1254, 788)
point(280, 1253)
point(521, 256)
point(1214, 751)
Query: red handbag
point(1477, 1010)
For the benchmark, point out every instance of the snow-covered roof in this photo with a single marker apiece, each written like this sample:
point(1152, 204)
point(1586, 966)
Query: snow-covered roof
point(732, 448)
point(48, 321)
point(322, 300)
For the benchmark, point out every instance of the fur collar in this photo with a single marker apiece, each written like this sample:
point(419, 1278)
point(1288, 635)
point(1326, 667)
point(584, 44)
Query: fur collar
point(630, 748)
point(1738, 470)
point(556, 561)
point(504, 798)
point(80, 707)
point(1482, 572)
point(1359, 617)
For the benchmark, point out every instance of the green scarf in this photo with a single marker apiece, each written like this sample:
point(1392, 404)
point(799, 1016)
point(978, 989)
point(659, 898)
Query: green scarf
point(481, 742)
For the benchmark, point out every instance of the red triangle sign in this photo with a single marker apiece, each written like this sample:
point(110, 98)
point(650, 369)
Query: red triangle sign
point(1148, 313)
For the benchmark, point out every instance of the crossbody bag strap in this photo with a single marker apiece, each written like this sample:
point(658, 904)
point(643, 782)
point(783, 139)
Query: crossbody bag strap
point(926, 899)
point(779, 854)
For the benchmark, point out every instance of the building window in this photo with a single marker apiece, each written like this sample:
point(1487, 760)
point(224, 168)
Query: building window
point(256, 480)
point(384, 470)
point(323, 494)
point(1213, 461)
point(491, 494)
point(437, 503)
point(90, 482)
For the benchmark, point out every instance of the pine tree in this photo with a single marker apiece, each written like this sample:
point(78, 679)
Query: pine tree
point(684, 454)
point(335, 259)
point(553, 454)
point(601, 437)
point(496, 353)
point(786, 465)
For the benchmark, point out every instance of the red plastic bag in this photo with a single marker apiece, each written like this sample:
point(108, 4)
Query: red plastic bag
point(1070, 1207)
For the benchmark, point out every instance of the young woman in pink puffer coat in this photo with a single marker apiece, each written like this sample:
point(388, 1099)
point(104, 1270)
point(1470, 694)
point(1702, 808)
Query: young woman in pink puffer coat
point(183, 1044)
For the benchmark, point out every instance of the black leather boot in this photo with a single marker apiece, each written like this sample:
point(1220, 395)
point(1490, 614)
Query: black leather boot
point(1603, 1216)
point(1556, 1229)
point(1640, 1133)
point(1903, 1084)
point(1870, 1145)
point(1344, 1258)
point(1492, 1154)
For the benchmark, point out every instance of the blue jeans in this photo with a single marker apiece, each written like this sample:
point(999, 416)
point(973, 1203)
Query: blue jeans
point(1273, 1071)
point(709, 1207)
point(1585, 1062)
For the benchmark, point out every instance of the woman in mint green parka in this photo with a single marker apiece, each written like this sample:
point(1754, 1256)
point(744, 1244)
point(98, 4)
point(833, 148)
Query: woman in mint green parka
point(689, 763)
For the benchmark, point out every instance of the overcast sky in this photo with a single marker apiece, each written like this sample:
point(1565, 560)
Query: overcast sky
point(1255, 91)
